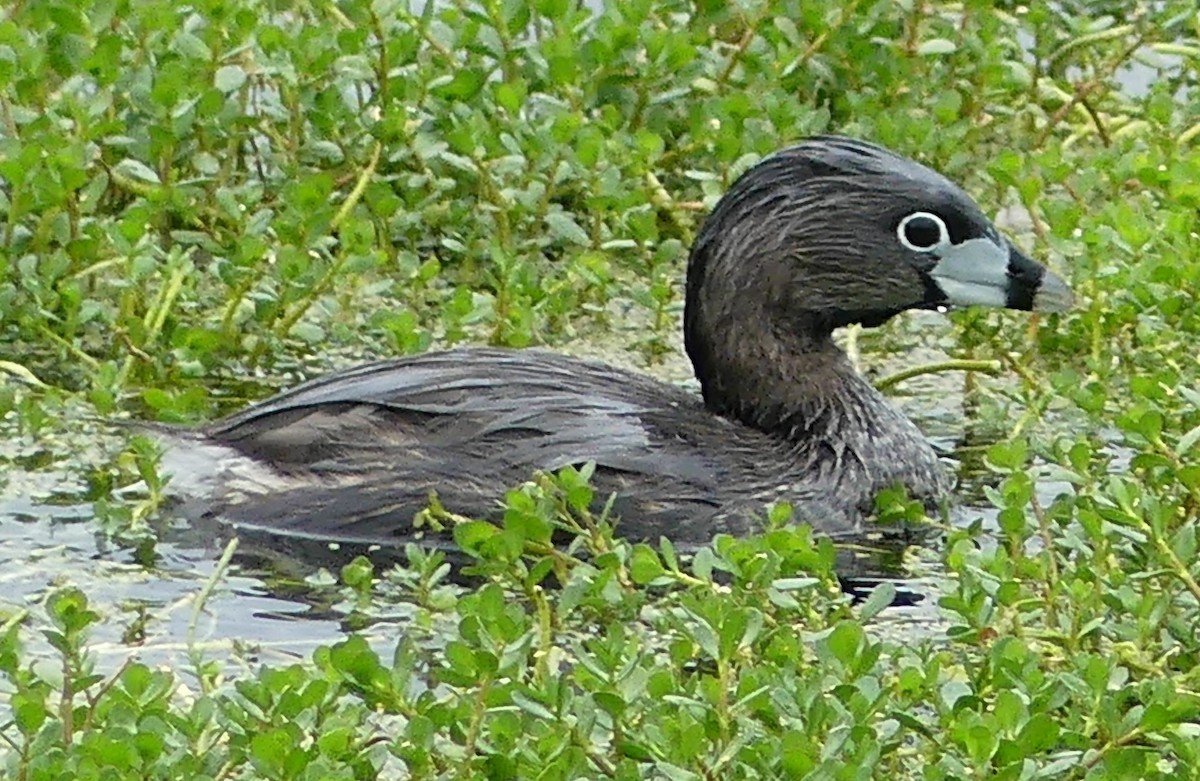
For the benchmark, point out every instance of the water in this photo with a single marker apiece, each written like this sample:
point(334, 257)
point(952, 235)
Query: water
point(45, 545)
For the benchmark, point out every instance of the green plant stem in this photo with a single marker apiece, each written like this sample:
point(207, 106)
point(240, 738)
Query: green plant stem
point(1051, 562)
point(953, 365)
point(1082, 91)
point(477, 712)
point(1180, 569)
point(360, 187)
point(194, 654)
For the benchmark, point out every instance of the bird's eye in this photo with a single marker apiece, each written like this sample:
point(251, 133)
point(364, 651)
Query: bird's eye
point(922, 231)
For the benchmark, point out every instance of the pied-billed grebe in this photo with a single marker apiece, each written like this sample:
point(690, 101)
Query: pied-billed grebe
point(823, 234)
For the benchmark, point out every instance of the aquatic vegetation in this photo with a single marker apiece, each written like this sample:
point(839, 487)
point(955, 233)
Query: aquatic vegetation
point(201, 204)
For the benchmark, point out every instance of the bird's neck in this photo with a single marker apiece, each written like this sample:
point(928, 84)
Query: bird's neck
point(797, 386)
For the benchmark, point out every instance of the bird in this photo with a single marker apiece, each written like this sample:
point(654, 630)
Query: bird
point(827, 232)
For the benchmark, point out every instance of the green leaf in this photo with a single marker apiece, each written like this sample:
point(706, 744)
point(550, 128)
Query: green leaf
point(472, 534)
point(531, 706)
point(634, 750)
point(883, 595)
point(1011, 712)
point(229, 78)
point(794, 584)
point(702, 563)
point(675, 772)
point(704, 635)
point(1012, 521)
point(981, 743)
point(936, 46)
point(953, 691)
point(269, 750)
point(1156, 716)
point(193, 47)
point(1008, 455)
point(563, 226)
point(1128, 763)
point(669, 557)
point(28, 713)
point(310, 333)
point(359, 573)
point(464, 85)
point(846, 641)
point(511, 95)
point(644, 564)
point(610, 702)
point(1187, 441)
point(135, 169)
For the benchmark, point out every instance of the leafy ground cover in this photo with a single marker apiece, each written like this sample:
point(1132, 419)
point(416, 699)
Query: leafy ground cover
point(204, 202)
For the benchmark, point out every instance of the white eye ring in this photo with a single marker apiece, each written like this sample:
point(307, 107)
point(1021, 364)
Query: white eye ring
point(943, 234)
